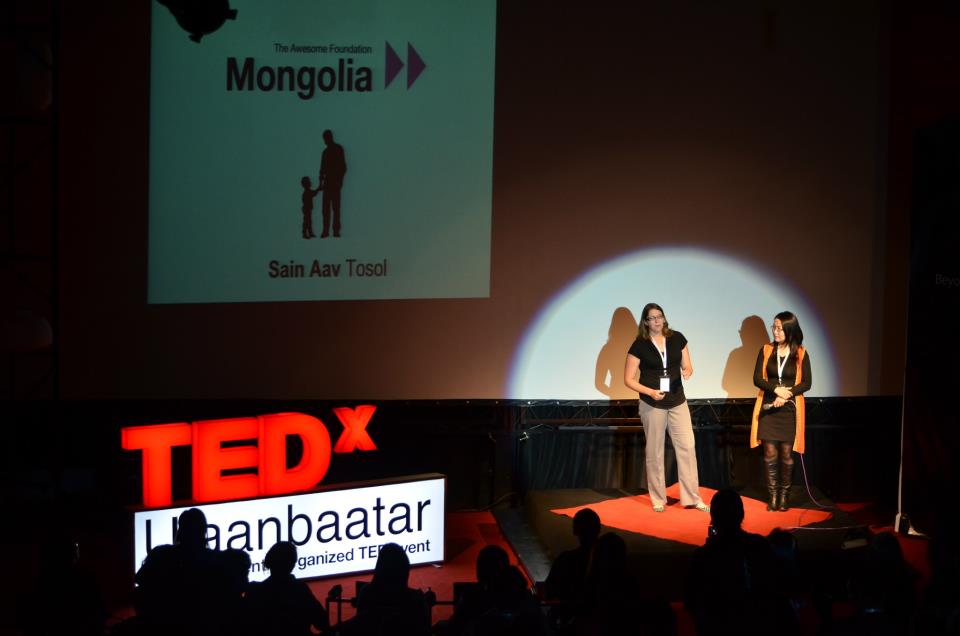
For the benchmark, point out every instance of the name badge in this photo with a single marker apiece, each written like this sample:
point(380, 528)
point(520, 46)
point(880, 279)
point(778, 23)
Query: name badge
point(665, 385)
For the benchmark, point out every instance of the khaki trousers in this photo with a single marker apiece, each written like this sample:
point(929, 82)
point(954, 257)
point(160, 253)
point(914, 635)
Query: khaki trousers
point(676, 422)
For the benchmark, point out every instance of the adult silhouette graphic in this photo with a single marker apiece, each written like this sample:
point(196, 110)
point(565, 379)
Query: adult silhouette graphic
point(333, 167)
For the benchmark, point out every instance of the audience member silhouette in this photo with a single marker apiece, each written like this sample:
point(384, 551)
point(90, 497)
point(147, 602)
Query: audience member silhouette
point(386, 605)
point(235, 575)
point(66, 598)
point(810, 593)
point(612, 602)
point(184, 588)
point(882, 588)
point(282, 605)
point(787, 571)
point(939, 610)
point(732, 586)
point(492, 564)
point(569, 571)
point(500, 604)
point(519, 609)
point(610, 590)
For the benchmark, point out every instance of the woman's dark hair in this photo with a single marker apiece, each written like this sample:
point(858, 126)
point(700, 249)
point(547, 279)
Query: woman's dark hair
point(643, 332)
point(792, 333)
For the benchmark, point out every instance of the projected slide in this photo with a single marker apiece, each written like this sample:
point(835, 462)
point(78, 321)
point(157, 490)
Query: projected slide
point(322, 150)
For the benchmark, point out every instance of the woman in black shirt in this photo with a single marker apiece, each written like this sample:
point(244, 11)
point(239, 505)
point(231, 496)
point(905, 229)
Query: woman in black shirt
point(783, 375)
point(662, 359)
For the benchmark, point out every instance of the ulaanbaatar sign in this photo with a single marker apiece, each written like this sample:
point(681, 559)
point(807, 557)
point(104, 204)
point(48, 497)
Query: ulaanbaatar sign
point(337, 530)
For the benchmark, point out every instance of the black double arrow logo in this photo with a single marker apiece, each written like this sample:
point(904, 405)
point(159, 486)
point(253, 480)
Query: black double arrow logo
point(415, 65)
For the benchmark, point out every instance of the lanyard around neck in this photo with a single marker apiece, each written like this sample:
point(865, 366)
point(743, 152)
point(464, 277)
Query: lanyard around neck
point(663, 354)
point(780, 365)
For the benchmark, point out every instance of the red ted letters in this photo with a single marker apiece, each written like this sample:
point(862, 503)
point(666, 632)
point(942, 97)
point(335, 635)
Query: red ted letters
point(210, 458)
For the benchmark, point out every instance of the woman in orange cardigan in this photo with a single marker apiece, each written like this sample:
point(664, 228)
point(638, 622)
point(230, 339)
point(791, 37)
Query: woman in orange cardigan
point(783, 375)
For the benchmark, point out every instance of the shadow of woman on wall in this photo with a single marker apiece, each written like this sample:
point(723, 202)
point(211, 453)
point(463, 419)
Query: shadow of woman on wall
point(738, 373)
point(608, 377)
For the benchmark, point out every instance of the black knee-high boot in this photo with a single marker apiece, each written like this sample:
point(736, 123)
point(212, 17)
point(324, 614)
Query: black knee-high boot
point(786, 481)
point(770, 477)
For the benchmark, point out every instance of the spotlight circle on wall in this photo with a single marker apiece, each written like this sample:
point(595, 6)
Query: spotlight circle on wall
point(574, 349)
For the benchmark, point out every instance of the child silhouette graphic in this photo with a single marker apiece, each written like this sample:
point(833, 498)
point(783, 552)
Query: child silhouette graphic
point(307, 198)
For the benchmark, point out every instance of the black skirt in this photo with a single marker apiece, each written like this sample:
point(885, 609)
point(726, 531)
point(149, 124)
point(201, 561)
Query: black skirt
point(778, 425)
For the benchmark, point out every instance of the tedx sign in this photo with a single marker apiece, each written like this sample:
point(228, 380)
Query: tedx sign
point(337, 531)
point(210, 457)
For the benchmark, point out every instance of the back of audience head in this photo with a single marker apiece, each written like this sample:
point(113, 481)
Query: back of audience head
point(192, 528)
point(281, 558)
point(609, 556)
point(492, 563)
point(393, 566)
point(885, 549)
point(611, 547)
point(784, 544)
point(236, 569)
point(726, 511)
point(586, 526)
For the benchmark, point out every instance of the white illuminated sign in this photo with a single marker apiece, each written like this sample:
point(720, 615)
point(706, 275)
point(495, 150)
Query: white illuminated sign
point(335, 531)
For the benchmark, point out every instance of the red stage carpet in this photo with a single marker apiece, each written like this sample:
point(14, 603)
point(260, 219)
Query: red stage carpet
point(635, 514)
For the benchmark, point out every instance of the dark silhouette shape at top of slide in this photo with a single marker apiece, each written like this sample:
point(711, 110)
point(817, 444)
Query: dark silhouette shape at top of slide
point(333, 167)
point(610, 360)
point(738, 373)
point(200, 17)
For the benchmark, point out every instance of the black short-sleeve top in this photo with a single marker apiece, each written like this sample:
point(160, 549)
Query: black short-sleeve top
point(651, 369)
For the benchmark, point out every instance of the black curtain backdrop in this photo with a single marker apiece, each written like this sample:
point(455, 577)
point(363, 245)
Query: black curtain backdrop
point(852, 448)
point(931, 427)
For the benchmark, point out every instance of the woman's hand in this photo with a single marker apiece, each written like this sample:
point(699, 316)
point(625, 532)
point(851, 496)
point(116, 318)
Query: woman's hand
point(656, 395)
point(777, 403)
point(783, 393)
point(686, 363)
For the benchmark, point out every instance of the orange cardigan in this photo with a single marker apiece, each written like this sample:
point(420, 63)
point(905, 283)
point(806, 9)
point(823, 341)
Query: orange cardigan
point(798, 443)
